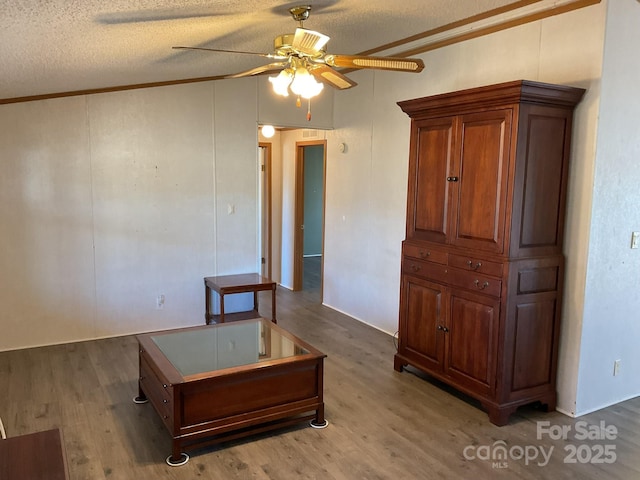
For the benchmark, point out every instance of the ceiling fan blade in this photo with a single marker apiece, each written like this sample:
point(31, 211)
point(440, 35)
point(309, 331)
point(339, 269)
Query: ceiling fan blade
point(308, 42)
point(330, 76)
point(270, 68)
point(265, 55)
point(398, 64)
point(161, 15)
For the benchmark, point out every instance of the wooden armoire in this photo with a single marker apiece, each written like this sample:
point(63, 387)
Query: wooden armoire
point(482, 263)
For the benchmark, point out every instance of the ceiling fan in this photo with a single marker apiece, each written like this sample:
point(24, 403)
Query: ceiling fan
point(301, 57)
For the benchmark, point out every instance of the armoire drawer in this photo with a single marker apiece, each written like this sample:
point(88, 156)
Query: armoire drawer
point(428, 270)
point(485, 267)
point(425, 253)
point(475, 282)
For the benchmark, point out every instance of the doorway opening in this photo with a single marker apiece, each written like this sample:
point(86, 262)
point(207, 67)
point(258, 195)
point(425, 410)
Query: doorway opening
point(309, 216)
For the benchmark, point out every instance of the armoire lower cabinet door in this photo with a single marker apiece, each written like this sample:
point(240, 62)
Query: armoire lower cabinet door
point(422, 318)
point(472, 338)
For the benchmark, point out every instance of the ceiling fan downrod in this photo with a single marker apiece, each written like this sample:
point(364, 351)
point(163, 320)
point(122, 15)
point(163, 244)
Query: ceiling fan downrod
point(300, 13)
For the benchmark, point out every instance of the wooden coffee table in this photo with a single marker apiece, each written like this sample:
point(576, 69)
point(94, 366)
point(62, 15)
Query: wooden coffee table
point(220, 382)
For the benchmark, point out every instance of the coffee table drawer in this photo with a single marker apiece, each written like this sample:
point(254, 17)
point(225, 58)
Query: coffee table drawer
point(158, 391)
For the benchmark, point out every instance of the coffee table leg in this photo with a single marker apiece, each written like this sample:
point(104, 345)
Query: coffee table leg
point(319, 421)
point(141, 398)
point(177, 457)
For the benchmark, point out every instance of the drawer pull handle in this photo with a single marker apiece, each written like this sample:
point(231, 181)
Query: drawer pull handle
point(416, 268)
point(424, 254)
point(472, 266)
point(165, 401)
point(480, 287)
point(443, 328)
point(452, 179)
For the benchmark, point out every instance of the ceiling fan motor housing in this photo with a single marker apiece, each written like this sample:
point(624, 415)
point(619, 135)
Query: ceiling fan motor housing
point(282, 44)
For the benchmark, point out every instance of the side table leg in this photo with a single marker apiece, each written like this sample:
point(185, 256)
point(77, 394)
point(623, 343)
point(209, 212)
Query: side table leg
point(255, 302)
point(207, 303)
point(273, 304)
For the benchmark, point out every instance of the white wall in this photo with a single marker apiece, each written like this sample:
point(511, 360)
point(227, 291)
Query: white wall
point(366, 188)
point(611, 326)
point(109, 200)
point(47, 287)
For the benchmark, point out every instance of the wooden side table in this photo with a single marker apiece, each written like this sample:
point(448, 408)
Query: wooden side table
point(35, 456)
point(242, 283)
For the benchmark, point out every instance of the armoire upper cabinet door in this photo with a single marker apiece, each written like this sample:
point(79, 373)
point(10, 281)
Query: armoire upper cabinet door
point(480, 170)
point(428, 190)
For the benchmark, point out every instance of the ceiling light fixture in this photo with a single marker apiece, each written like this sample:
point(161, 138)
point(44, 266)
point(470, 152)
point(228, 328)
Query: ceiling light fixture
point(268, 131)
point(297, 79)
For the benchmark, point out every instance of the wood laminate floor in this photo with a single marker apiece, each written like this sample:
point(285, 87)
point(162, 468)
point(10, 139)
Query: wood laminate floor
point(383, 424)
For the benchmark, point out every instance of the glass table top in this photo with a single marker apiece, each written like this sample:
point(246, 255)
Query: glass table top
point(225, 345)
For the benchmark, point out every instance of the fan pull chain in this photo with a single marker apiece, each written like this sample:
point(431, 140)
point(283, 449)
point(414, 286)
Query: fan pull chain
point(298, 102)
point(309, 111)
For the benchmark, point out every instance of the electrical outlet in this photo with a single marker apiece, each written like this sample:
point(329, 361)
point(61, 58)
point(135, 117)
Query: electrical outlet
point(160, 302)
point(616, 368)
point(635, 239)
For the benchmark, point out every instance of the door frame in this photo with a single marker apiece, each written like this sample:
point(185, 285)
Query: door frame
point(298, 237)
point(267, 236)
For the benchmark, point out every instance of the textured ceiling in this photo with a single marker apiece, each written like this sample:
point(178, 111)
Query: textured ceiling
point(53, 46)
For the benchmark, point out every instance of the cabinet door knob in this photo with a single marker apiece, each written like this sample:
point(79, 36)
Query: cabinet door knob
point(472, 266)
point(480, 287)
point(440, 327)
point(452, 179)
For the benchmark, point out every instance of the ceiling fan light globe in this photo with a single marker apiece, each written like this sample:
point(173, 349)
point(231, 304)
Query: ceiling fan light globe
point(304, 85)
point(312, 90)
point(281, 82)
